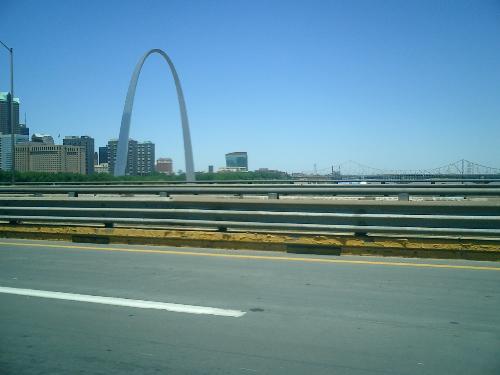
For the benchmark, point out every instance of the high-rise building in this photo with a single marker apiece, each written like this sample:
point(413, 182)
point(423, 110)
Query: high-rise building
point(40, 157)
point(6, 149)
point(210, 169)
point(24, 130)
point(5, 113)
point(86, 142)
point(165, 165)
point(112, 146)
point(145, 158)
point(96, 158)
point(131, 168)
point(103, 154)
point(42, 138)
point(237, 160)
point(140, 157)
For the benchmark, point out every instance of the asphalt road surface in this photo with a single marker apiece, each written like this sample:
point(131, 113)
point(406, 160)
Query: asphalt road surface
point(68, 308)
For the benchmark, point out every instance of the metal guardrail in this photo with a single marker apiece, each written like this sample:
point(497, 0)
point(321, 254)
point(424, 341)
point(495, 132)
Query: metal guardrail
point(271, 182)
point(360, 230)
point(402, 192)
point(396, 218)
point(462, 207)
point(466, 185)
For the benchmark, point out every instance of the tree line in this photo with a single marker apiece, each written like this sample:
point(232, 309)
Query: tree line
point(5, 177)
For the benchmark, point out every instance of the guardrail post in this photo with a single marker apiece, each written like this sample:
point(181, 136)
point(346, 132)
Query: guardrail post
point(109, 225)
point(72, 194)
point(164, 194)
point(403, 197)
point(273, 196)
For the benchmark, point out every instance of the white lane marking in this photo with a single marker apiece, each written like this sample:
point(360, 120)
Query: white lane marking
point(141, 304)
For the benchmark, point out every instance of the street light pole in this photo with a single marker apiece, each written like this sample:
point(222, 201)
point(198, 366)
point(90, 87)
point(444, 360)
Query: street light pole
point(12, 127)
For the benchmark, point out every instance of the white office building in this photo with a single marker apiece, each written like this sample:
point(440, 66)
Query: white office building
point(6, 149)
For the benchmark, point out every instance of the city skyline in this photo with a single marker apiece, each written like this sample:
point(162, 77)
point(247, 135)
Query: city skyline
point(458, 167)
point(348, 166)
point(461, 166)
point(388, 104)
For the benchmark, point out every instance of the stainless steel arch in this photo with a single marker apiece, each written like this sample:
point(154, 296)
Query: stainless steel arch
point(122, 149)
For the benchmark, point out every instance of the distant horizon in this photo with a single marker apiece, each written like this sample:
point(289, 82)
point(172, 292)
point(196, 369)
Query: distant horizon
point(391, 85)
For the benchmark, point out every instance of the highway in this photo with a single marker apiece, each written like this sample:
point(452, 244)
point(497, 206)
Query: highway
point(130, 309)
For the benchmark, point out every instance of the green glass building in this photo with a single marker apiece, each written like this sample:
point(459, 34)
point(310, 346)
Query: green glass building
point(237, 160)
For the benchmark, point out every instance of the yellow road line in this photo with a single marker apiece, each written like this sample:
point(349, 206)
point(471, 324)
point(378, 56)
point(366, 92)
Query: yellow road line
point(263, 257)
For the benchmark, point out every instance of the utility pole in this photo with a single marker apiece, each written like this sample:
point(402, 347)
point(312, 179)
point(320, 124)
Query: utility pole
point(12, 125)
point(12, 143)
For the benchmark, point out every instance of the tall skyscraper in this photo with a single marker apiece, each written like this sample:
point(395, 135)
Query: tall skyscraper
point(165, 165)
point(237, 160)
point(86, 142)
point(40, 157)
point(131, 168)
point(6, 149)
point(145, 158)
point(5, 113)
point(103, 154)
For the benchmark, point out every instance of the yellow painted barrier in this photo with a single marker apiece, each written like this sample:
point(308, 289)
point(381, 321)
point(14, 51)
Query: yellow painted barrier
point(446, 248)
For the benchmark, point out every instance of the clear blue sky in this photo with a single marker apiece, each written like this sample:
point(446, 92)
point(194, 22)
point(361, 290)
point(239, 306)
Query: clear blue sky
point(392, 84)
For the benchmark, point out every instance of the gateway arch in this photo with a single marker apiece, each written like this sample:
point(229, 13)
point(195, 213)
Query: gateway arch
point(122, 150)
